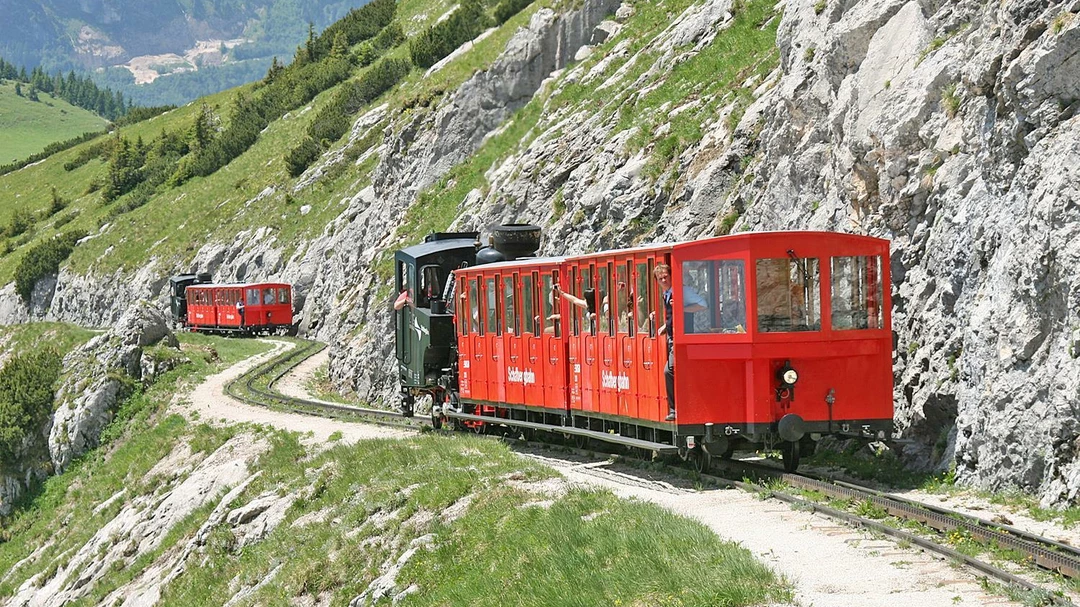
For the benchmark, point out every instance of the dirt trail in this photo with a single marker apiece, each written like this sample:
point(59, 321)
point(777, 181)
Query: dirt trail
point(830, 564)
point(209, 402)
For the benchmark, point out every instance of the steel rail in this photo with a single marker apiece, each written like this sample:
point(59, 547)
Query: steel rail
point(972, 562)
point(282, 364)
point(939, 519)
point(1071, 552)
point(945, 520)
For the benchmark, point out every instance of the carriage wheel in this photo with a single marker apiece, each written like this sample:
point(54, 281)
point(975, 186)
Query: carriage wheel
point(437, 418)
point(790, 452)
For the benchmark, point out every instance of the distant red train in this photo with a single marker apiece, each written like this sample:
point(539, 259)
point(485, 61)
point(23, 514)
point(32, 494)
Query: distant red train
point(263, 308)
point(779, 339)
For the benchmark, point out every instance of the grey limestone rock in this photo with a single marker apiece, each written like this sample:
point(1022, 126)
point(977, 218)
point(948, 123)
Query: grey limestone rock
point(90, 390)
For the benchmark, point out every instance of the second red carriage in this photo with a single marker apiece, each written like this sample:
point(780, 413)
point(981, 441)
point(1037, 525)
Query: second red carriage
point(239, 308)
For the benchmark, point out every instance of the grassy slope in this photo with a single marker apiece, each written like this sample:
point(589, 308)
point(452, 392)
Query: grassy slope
point(177, 221)
point(507, 547)
point(62, 337)
point(26, 127)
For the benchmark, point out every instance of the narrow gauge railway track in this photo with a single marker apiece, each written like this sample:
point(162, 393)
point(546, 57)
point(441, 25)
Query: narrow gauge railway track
point(1044, 552)
point(256, 388)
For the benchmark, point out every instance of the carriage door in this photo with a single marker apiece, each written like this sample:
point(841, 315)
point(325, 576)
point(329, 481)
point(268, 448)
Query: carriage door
point(570, 318)
point(478, 347)
point(588, 321)
point(532, 377)
point(606, 339)
point(626, 327)
point(553, 350)
point(463, 314)
point(515, 387)
point(496, 366)
point(649, 366)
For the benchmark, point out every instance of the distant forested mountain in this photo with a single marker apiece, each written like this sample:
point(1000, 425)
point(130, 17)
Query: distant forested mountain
point(61, 35)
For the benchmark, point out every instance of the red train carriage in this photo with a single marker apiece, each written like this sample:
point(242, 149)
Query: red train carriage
point(260, 308)
point(778, 338)
point(511, 344)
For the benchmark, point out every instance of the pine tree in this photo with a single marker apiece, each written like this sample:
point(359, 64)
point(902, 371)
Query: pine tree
point(340, 48)
point(310, 45)
point(202, 131)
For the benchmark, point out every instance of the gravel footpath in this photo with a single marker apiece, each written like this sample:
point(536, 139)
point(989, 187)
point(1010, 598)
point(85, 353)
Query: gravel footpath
point(209, 402)
point(830, 564)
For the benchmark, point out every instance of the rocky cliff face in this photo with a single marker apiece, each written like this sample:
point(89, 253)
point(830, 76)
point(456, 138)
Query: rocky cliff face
point(96, 377)
point(948, 128)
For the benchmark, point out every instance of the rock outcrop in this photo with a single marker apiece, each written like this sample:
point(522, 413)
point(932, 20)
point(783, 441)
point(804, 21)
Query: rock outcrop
point(97, 376)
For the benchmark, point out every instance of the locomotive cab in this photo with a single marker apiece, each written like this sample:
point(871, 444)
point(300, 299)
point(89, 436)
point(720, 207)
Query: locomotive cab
point(424, 325)
point(178, 304)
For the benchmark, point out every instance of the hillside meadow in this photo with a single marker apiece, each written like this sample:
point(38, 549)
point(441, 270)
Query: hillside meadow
point(26, 126)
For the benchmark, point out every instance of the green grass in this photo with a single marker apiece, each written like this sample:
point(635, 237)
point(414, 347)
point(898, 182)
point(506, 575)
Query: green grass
point(60, 336)
point(26, 127)
point(137, 439)
point(586, 548)
point(177, 221)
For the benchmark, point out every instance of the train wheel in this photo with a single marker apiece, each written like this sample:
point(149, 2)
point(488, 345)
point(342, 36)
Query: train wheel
point(790, 452)
point(700, 460)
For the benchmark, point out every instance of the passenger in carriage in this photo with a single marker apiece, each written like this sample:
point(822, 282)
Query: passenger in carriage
point(692, 302)
point(588, 303)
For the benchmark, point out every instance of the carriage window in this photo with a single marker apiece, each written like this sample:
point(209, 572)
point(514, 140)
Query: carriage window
point(491, 316)
point(714, 296)
point(474, 307)
point(531, 322)
point(549, 305)
point(624, 301)
point(509, 310)
point(268, 297)
point(586, 318)
point(643, 297)
point(283, 296)
point(430, 285)
point(406, 281)
point(788, 295)
point(603, 306)
point(252, 297)
point(856, 293)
